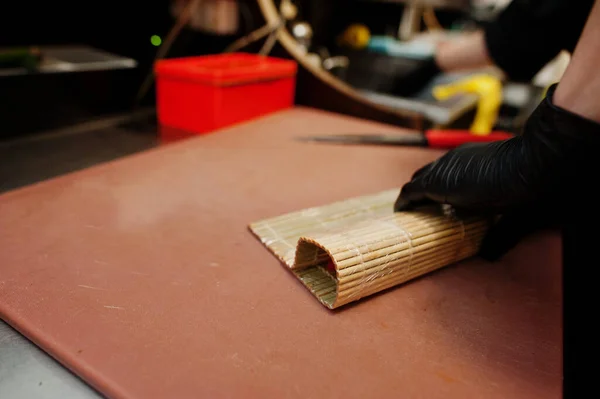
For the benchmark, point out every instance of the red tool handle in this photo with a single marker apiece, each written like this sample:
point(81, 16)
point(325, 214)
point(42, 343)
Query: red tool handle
point(453, 138)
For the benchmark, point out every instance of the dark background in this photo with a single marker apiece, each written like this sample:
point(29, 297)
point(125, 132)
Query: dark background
point(124, 27)
point(34, 103)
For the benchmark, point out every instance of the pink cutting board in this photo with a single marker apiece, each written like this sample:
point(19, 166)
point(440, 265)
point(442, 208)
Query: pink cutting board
point(141, 277)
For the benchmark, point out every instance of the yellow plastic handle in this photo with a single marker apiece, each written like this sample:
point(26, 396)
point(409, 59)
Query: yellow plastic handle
point(488, 89)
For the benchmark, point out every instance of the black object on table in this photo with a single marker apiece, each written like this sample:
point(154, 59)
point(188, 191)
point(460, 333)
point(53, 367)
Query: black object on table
point(382, 73)
point(69, 85)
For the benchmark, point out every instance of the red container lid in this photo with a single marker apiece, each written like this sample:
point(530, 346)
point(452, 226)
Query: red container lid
point(226, 69)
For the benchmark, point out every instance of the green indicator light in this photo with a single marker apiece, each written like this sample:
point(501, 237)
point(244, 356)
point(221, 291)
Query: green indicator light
point(155, 40)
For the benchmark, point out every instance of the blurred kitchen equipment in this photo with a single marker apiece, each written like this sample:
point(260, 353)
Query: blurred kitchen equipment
point(201, 94)
point(356, 36)
point(182, 19)
point(303, 33)
point(21, 57)
point(220, 17)
point(417, 10)
point(488, 89)
point(287, 12)
point(60, 86)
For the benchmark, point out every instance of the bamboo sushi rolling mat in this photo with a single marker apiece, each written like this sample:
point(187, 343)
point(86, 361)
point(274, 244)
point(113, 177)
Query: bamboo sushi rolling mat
point(351, 249)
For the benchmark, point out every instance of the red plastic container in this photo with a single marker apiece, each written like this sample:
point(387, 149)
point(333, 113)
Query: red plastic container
point(201, 94)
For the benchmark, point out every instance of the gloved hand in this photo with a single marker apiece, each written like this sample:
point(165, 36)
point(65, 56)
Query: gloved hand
point(530, 180)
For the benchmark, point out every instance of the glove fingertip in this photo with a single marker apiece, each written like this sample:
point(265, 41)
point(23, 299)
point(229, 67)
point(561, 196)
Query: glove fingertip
point(409, 195)
point(402, 204)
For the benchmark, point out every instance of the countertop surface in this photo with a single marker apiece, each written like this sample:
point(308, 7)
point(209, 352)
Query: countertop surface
point(26, 371)
point(141, 277)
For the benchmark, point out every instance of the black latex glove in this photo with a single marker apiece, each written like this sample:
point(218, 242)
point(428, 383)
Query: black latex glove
point(531, 180)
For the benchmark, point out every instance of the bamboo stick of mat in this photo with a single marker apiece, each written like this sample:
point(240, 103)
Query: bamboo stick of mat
point(351, 249)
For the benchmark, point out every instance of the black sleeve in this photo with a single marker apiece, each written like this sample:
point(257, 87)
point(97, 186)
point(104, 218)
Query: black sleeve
point(530, 33)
